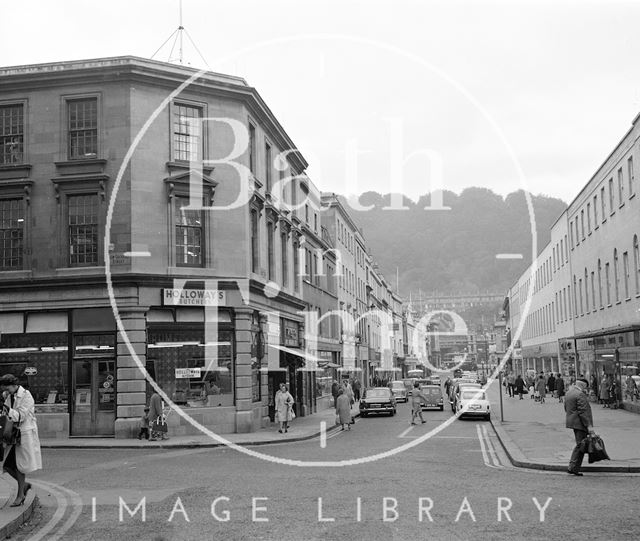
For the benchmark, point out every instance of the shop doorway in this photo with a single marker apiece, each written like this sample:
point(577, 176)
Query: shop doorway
point(93, 385)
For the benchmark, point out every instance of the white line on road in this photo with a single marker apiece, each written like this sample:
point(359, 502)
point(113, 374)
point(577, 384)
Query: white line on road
point(57, 516)
point(323, 434)
point(485, 456)
point(403, 434)
point(492, 451)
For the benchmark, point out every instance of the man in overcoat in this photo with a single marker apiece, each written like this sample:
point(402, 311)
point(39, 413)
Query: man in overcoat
point(580, 419)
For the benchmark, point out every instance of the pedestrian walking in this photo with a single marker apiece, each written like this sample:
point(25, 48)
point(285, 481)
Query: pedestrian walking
point(284, 408)
point(335, 387)
point(519, 386)
point(511, 380)
point(23, 457)
point(157, 421)
point(551, 384)
point(348, 390)
point(604, 391)
point(541, 388)
point(630, 390)
point(580, 420)
point(356, 389)
point(144, 424)
point(343, 410)
point(560, 388)
point(417, 398)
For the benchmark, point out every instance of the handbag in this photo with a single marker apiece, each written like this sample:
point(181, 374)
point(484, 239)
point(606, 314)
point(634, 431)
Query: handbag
point(159, 426)
point(9, 430)
point(596, 449)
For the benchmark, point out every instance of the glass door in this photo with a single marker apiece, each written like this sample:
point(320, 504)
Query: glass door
point(93, 385)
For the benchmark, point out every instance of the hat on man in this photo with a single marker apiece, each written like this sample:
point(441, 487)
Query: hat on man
point(9, 379)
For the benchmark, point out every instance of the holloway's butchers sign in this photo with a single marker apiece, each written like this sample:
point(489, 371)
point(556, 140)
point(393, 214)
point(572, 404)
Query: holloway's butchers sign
point(184, 373)
point(193, 297)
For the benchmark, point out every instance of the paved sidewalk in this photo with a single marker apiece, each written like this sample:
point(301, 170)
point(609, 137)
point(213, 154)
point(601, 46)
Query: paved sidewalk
point(12, 518)
point(301, 428)
point(535, 436)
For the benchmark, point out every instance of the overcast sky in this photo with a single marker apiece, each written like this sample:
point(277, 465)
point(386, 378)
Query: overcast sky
point(556, 83)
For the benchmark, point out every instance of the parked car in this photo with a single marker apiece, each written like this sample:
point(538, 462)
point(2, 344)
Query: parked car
point(433, 393)
point(377, 400)
point(456, 392)
point(476, 400)
point(399, 391)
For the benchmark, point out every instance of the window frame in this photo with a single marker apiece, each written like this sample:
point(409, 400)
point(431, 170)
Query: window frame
point(23, 230)
point(23, 104)
point(65, 151)
point(202, 107)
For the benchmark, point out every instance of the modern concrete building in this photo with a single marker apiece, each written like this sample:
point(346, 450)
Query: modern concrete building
point(586, 295)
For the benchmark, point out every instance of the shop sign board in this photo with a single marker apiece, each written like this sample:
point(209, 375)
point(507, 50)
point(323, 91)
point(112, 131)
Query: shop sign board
point(30, 371)
point(193, 297)
point(290, 334)
point(185, 373)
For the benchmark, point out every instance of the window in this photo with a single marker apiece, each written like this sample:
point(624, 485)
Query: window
point(187, 133)
point(306, 213)
point(616, 274)
point(595, 211)
point(271, 271)
point(636, 263)
point(315, 267)
point(267, 165)
point(582, 222)
point(593, 291)
point(566, 250)
point(11, 234)
point(607, 278)
point(252, 148)
point(315, 222)
point(611, 197)
point(589, 218)
point(255, 246)
point(285, 259)
point(603, 205)
point(575, 296)
point(296, 266)
point(581, 297)
point(82, 128)
point(586, 290)
point(82, 213)
point(625, 270)
point(578, 231)
point(620, 187)
point(189, 233)
point(11, 134)
point(571, 311)
point(600, 283)
point(632, 187)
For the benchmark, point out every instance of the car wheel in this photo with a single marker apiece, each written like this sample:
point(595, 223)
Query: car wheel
point(363, 414)
point(393, 412)
point(488, 417)
point(441, 408)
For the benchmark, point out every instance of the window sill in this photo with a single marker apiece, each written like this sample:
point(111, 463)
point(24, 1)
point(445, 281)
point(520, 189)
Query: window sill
point(632, 195)
point(618, 302)
point(627, 299)
point(89, 269)
point(196, 271)
point(17, 274)
point(621, 205)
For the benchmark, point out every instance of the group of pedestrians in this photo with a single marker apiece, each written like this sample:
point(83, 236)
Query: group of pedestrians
point(537, 388)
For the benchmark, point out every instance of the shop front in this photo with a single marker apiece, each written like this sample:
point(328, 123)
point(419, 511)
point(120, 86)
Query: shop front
point(611, 363)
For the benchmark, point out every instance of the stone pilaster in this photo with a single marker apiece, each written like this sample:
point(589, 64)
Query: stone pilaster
point(131, 384)
point(244, 402)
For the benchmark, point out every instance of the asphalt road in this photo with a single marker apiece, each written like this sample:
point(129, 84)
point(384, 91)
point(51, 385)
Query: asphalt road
point(450, 486)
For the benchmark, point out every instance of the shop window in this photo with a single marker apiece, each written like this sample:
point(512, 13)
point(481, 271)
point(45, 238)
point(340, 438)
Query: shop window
point(12, 226)
point(191, 371)
point(39, 361)
point(82, 128)
point(11, 134)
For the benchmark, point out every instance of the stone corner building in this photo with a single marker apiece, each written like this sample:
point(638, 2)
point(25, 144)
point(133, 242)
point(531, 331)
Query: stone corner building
point(204, 297)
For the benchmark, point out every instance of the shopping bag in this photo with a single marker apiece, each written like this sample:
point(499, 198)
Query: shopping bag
point(596, 450)
point(9, 430)
point(159, 425)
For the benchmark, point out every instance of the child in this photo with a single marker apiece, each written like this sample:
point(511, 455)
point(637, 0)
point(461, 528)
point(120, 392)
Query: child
point(144, 424)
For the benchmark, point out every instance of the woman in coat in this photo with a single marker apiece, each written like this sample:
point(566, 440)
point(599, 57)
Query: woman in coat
point(284, 413)
point(604, 391)
point(25, 458)
point(343, 409)
point(541, 387)
point(519, 386)
point(155, 415)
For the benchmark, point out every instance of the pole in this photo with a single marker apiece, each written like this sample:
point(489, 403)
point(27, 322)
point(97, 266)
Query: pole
point(501, 410)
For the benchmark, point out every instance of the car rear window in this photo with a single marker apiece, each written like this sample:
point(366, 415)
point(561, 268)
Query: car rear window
point(431, 391)
point(377, 393)
point(397, 385)
point(468, 395)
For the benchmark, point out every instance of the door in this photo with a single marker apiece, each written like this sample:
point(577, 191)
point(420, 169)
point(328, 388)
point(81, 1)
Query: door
point(93, 396)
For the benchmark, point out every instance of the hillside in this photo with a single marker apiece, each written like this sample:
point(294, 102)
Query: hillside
point(455, 250)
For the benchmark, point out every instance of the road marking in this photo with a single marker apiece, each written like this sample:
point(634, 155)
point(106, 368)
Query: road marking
point(323, 434)
point(62, 495)
point(137, 254)
point(492, 451)
point(403, 434)
point(485, 456)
